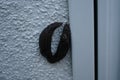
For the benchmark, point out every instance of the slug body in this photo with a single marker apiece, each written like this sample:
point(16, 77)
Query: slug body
point(46, 38)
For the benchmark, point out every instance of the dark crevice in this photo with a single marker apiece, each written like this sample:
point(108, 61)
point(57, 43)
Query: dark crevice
point(96, 38)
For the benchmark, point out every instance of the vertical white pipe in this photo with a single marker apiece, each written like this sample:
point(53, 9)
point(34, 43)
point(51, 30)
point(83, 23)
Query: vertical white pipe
point(109, 39)
point(102, 39)
point(114, 41)
point(82, 29)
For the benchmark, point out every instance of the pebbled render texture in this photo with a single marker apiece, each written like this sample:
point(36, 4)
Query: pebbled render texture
point(21, 22)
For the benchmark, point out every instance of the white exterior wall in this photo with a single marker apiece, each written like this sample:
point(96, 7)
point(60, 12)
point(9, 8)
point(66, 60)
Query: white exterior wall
point(21, 22)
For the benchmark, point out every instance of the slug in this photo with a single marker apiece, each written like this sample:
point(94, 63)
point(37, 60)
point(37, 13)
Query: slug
point(63, 46)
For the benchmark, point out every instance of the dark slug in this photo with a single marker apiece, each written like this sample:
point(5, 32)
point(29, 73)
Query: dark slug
point(63, 46)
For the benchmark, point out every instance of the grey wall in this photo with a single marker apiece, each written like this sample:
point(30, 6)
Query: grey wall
point(21, 22)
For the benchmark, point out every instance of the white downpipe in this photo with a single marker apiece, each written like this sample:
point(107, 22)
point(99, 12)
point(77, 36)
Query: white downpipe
point(109, 39)
point(82, 29)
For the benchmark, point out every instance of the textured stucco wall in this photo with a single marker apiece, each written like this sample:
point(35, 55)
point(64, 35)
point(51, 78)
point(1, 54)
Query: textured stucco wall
point(21, 22)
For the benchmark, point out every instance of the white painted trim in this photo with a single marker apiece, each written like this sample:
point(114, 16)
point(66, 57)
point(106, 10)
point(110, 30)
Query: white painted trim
point(82, 28)
point(109, 39)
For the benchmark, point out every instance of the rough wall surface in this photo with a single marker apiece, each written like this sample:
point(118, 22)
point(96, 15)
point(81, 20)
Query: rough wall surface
point(21, 22)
